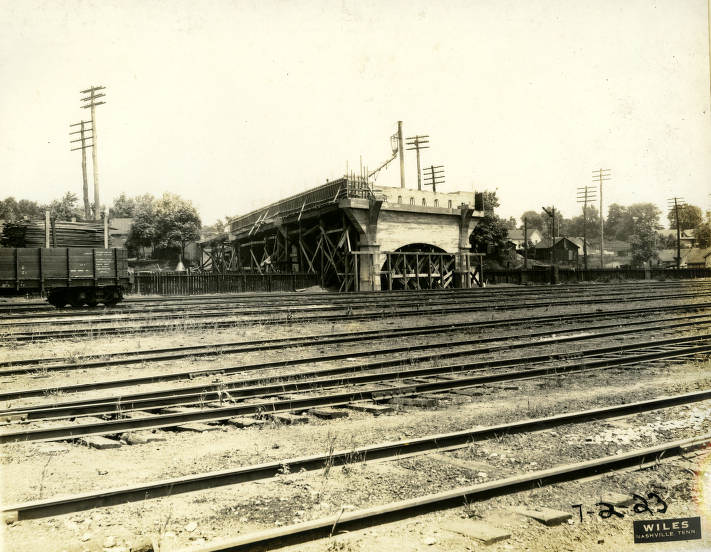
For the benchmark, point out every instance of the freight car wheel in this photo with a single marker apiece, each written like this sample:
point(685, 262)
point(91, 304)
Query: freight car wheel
point(57, 299)
point(76, 300)
point(91, 299)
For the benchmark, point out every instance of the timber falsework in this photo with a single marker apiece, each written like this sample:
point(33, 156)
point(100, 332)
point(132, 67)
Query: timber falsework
point(353, 236)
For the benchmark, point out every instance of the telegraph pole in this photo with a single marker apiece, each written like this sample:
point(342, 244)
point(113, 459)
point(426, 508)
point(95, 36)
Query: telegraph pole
point(585, 194)
point(600, 176)
point(675, 203)
point(83, 138)
point(91, 98)
point(435, 176)
point(418, 143)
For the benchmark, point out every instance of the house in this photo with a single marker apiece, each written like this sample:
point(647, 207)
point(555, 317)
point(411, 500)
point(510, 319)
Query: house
point(687, 238)
point(516, 237)
point(699, 258)
point(565, 251)
point(666, 258)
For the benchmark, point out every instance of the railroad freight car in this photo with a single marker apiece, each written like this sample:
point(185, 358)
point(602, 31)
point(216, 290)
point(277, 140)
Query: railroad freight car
point(67, 275)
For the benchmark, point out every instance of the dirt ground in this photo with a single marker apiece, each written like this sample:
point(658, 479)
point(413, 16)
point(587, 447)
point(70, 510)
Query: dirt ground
point(188, 521)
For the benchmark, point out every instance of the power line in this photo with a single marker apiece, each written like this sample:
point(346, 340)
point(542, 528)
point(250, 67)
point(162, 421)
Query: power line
point(91, 98)
point(418, 143)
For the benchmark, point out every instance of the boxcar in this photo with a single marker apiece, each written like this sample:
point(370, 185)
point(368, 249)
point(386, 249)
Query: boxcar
point(74, 275)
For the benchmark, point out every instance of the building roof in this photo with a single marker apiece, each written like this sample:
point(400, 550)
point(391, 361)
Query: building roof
point(545, 243)
point(669, 255)
point(697, 255)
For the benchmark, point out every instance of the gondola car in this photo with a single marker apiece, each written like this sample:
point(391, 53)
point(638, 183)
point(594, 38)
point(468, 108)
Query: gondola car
point(67, 275)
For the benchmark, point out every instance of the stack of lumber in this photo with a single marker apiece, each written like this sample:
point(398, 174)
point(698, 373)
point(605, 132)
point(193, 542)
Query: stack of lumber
point(62, 234)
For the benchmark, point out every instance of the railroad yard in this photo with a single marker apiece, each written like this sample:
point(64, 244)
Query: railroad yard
point(500, 418)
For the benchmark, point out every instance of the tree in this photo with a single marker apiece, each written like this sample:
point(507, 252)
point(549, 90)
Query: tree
point(703, 235)
point(623, 222)
point(12, 210)
point(690, 216)
point(128, 207)
point(65, 208)
point(177, 223)
point(123, 207)
point(592, 231)
point(490, 233)
point(143, 232)
point(643, 243)
point(534, 220)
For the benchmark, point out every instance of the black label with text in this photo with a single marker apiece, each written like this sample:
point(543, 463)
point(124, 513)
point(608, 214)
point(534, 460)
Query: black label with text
point(665, 530)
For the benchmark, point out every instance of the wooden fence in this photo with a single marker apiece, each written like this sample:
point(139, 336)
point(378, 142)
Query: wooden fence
point(182, 283)
point(565, 275)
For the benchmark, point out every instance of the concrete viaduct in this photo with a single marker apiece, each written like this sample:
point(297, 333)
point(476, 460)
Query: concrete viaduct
point(358, 237)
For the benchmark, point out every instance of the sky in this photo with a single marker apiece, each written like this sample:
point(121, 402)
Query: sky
point(236, 104)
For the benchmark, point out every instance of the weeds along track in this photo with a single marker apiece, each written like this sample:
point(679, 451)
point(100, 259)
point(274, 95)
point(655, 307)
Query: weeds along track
point(21, 366)
point(436, 351)
point(184, 321)
point(389, 451)
point(349, 388)
point(359, 519)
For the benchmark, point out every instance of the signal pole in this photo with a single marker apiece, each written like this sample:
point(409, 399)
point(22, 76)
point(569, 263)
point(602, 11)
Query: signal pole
point(585, 194)
point(91, 98)
point(525, 243)
point(435, 176)
point(418, 143)
point(600, 176)
point(83, 139)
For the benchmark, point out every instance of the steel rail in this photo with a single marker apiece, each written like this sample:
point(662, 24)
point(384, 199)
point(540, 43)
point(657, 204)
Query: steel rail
point(271, 539)
point(171, 353)
point(188, 395)
point(288, 319)
point(389, 450)
point(226, 370)
point(284, 304)
point(336, 399)
point(298, 296)
point(302, 308)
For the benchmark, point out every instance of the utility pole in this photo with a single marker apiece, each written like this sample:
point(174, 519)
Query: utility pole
point(418, 143)
point(600, 176)
point(401, 149)
point(83, 138)
point(675, 203)
point(91, 98)
point(585, 194)
point(435, 176)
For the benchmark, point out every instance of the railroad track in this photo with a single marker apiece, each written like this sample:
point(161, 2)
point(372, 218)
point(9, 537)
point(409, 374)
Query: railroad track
point(398, 383)
point(287, 317)
point(310, 304)
point(384, 451)
point(474, 346)
point(129, 303)
point(359, 519)
point(22, 366)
